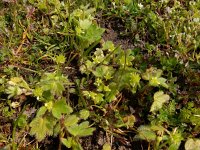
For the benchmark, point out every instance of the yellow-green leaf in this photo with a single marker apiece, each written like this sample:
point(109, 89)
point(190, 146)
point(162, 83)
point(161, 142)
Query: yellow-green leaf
point(106, 146)
point(41, 127)
point(192, 144)
point(42, 110)
point(159, 99)
point(81, 130)
point(84, 114)
point(145, 133)
point(71, 120)
point(60, 107)
point(67, 142)
point(85, 24)
point(60, 59)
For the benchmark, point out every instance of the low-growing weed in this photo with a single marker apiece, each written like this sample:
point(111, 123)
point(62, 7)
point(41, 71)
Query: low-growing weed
point(60, 78)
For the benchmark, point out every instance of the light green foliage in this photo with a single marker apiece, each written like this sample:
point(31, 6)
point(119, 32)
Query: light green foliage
point(108, 45)
point(145, 133)
point(51, 84)
point(126, 58)
point(41, 111)
point(76, 129)
point(159, 134)
point(86, 31)
point(104, 72)
point(49, 105)
point(67, 142)
point(109, 80)
point(190, 114)
point(60, 59)
point(106, 146)
point(58, 72)
point(159, 99)
point(42, 127)
point(13, 91)
point(84, 114)
point(92, 34)
point(71, 120)
point(2, 84)
point(192, 144)
point(81, 129)
point(135, 80)
point(50, 90)
point(96, 97)
point(18, 81)
point(175, 139)
point(153, 75)
point(71, 143)
point(167, 114)
point(17, 86)
point(99, 56)
point(85, 24)
point(60, 107)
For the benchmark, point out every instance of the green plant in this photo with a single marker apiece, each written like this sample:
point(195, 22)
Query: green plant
point(61, 78)
point(55, 116)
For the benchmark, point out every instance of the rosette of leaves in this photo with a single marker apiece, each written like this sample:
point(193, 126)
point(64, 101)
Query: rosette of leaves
point(153, 75)
point(112, 69)
point(86, 30)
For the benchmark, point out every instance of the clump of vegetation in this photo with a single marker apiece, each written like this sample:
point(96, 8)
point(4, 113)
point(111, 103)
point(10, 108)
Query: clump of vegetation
point(61, 79)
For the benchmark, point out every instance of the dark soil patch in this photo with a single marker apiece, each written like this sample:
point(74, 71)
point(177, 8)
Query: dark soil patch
point(114, 27)
point(99, 138)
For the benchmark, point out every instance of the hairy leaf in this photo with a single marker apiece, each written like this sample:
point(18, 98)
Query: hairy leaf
point(192, 144)
point(71, 120)
point(60, 59)
point(85, 24)
point(60, 107)
point(42, 127)
point(81, 130)
point(84, 114)
point(19, 82)
point(67, 142)
point(145, 133)
point(159, 99)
